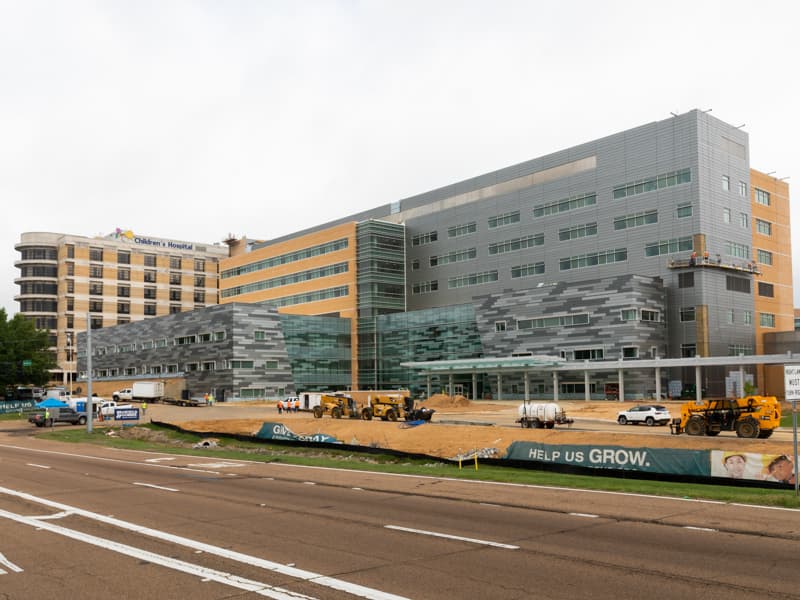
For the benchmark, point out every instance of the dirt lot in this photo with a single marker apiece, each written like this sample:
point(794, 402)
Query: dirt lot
point(447, 436)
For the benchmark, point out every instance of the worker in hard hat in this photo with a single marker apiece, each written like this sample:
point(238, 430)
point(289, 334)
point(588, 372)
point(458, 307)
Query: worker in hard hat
point(735, 463)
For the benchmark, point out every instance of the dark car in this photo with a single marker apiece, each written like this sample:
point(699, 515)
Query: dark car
point(58, 415)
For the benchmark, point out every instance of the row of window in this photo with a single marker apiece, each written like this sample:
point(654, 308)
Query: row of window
point(98, 254)
point(688, 314)
point(200, 338)
point(290, 279)
point(149, 276)
point(575, 319)
point(287, 258)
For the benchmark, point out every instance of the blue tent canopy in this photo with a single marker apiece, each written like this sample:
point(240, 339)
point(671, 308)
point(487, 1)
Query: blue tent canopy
point(52, 403)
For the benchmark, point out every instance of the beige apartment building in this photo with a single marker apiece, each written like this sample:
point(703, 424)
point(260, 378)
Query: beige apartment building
point(65, 279)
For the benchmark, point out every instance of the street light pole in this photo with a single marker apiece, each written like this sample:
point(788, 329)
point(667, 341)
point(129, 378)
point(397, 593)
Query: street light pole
point(89, 404)
point(69, 361)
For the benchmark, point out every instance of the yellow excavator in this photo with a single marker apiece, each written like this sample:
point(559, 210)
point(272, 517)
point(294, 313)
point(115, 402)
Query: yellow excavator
point(749, 417)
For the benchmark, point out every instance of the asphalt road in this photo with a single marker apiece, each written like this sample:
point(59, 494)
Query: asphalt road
point(86, 522)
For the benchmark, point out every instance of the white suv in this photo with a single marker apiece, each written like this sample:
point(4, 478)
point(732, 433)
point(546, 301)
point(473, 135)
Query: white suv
point(649, 414)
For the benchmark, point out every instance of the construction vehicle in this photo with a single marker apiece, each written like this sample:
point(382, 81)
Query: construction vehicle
point(391, 406)
point(538, 415)
point(749, 417)
point(339, 405)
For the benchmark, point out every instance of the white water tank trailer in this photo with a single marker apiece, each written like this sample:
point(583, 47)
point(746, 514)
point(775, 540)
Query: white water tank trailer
point(539, 415)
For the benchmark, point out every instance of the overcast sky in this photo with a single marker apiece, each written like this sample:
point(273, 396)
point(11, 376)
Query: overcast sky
point(193, 120)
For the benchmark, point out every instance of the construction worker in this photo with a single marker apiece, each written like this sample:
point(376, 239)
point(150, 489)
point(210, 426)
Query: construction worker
point(280, 407)
point(47, 416)
point(144, 408)
point(211, 399)
point(297, 405)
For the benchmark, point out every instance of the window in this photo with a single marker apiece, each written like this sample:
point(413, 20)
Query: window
point(70, 250)
point(504, 219)
point(687, 314)
point(204, 338)
point(636, 220)
point(123, 308)
point(146, 345)
point(499, 326)
point(516, 244)
point(259, 335)
point(174, 309)
point(766, 289)
point(424, 238)
point(726, 183)
point(737, 250)
point(688, 350)
point(527, 270)
point(737, 284)
point(669, 246)
point(650, 315)
point(241, 364)
point(199, 264)
point(96, 271)
point(650, 184)
point(191, 367)
point(150, 293)
point(96, 254)
point(199, 296)
point(743, 189)
point(472, 279)
point(560, 321)
point(219, 336)
point(174, 262)
point(762, 197)
point(149, 276)
point(592, 259)
point(685, 280)
point(95, 306)
point(185, 339)
point(766, 319)
point(175, 294)
point(630, 352)
point(161, 343)
point(209, 365)
point(589, 354)
point(70, 286)
point(726, 215)
point(96, 322)
point(130, 371)
point(124, 274)
point(149, 260)
point(271, 364)
point(684, 210)
point(730, 316)
point(290, 257)
point(764, 257)
point(149, 309)
point(568, 204)
point(174, 278)
point(747, 317)
point(461, 230)
point(744, 220)
point(454, 257)
point(573, 233)
point(96, 288)
point(123, 257)
point(199, 281)
point(415, 264)
point(71, 269)
point(763, 227)
point(629, 314)
point(425, 287)
point(739, 349)
point(172, 368)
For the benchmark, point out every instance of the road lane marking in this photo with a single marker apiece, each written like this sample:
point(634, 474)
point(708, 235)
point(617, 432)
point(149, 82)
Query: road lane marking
point(587, 515)
point(155, 460)
point(157, 487)
point(452, 537)
point(39, 466)
point(255, 561)
point(204, 573)
point(699, 528)
point(8, 565)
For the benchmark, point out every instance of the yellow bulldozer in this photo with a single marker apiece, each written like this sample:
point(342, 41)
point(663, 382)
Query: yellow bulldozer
point(338, 406)
point(749, 417)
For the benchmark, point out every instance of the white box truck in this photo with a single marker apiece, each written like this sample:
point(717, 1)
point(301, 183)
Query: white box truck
point(142, 391)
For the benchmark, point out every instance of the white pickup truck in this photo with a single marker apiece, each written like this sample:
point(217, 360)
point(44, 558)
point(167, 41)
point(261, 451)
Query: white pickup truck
point(108, 407)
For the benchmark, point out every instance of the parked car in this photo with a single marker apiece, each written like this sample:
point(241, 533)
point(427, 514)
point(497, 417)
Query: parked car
point(649, 414)
point(58, 415)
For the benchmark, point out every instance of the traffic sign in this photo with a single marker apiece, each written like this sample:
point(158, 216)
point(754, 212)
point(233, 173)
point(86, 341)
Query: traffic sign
point(791, 382)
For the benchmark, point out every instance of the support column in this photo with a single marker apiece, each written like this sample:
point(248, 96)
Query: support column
point(621, 383)
point(527, 388)
point(474, 385)
point(698, 390)
point(499, 386)
point(428, 383)
point(741, 381)
point(587, 395)
point(658, 384)
point(555, 386)
point(450, 385)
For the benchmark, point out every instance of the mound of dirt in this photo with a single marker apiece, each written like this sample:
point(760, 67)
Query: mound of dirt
point(445, 401)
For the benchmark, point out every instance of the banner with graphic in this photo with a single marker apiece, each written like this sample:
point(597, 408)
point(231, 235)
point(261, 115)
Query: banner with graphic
point(749, 465)
point(14, 406)
point(648, 460)
point(279, 431)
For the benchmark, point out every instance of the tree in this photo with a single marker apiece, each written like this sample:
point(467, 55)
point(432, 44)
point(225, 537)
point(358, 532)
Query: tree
point(25, 357)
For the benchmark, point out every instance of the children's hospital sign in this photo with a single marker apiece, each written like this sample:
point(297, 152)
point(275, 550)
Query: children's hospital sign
point(126, 235)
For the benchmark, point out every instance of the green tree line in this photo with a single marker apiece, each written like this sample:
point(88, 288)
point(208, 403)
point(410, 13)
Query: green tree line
point(25, 358)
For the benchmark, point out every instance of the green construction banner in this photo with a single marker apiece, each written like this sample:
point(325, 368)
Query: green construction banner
point(279, 431)
point(13, 406)
point(649, 460)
